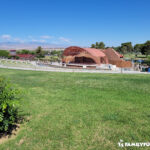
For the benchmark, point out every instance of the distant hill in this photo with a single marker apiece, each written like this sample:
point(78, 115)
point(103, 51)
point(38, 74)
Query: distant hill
point(30, 46)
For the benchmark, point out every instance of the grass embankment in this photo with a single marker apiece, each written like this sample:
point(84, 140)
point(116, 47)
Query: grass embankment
point(79, 111)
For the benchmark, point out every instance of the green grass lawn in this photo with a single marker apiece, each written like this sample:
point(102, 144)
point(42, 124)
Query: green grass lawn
point(132, 56)
point(129, 56)
point(80, 111)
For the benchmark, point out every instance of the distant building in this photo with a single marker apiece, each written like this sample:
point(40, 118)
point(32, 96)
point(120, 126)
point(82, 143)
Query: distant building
point(52, 49)
point(12, 52)
point(26, 56)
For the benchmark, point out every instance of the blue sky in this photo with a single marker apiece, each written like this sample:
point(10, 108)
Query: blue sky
point(75, 22)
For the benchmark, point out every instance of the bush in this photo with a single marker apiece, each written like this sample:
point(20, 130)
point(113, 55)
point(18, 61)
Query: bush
point(17, 57)
point(9, 100)
point(10, 57)
point(54, 58)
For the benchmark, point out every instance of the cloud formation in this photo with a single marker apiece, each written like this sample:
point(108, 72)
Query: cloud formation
point(18, 40)
point(46, 37)
point(6, 37)
point(64, 40)
point(40, 41)
point(37, 39)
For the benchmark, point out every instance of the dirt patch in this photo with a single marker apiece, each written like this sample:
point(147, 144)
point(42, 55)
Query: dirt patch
point(9, 136)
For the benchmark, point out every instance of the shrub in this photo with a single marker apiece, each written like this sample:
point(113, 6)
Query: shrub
point(54, 58)
point(9, 100)
point(10, 57)
point(17, 57)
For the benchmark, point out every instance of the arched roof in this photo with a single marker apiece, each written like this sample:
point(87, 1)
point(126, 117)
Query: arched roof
point(95, 52)
point(75, 50)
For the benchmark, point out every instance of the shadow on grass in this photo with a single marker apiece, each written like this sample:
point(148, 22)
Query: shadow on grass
point(14, 129)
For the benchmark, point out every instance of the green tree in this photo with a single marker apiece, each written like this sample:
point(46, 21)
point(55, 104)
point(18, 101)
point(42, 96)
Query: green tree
point(93, 46)
point(118, 49)
point(24, 51)
point(32, 52)
point(126, 47)
point(39, 52)
point(97, 45)
point(123, 49)
point(4, 53)
point(101, 45)
point(146, 48)
point(138, 48)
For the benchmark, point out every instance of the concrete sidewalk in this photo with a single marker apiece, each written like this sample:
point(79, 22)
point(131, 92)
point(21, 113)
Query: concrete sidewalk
point(52, 69)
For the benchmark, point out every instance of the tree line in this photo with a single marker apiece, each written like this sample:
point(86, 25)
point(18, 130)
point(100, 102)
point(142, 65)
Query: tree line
point(127, 47)
point(38, 53)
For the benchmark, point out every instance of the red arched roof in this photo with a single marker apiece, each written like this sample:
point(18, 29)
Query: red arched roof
point(75, 50)
point(95, 52)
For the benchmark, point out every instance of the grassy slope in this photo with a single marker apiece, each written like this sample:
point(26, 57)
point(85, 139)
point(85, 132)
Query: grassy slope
point(81, 111)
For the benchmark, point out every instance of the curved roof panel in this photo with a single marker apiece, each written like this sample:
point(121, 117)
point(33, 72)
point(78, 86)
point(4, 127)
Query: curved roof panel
point(95, 52)
point(75, 50)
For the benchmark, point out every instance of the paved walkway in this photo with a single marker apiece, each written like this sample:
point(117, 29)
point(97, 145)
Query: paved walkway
point(52, 69)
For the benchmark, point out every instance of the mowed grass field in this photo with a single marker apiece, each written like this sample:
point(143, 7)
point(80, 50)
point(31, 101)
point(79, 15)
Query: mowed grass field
point(80, 111)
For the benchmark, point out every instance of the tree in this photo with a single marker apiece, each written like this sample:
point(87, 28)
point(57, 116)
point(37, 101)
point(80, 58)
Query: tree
point(127, 47)
point(123, 49)
point(146, 48)
point(39, 52)
point(93, 46)
point(101, 45)
point(24, 51)
point(98, 45)
point(138, 48)
point(118, 49)
point(32, 52)
point(4, 53)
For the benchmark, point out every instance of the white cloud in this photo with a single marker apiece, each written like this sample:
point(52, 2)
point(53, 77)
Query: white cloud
point(46, 37)
point(41, 41)
point(18, 40)
point(6, 37)
point(64, 40)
